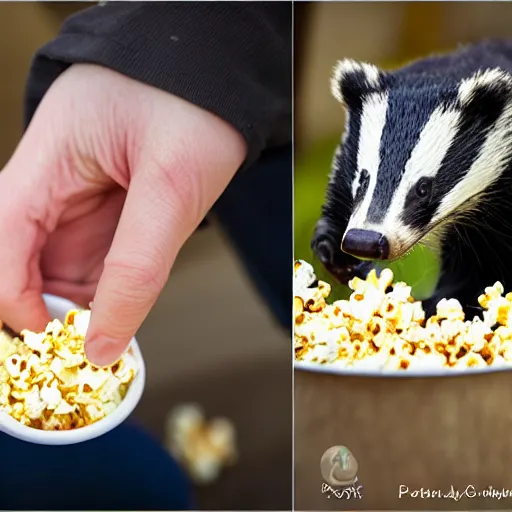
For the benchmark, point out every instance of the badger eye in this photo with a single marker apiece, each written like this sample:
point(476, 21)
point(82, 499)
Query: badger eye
point(424, 187)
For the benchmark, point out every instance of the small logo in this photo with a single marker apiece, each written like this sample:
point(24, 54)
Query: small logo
point(339, 466)
point(339, 470)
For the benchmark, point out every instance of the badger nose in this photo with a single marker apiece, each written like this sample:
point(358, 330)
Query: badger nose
point(363, 243)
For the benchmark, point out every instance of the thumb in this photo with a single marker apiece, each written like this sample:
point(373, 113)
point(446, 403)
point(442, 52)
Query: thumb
point(155, 222)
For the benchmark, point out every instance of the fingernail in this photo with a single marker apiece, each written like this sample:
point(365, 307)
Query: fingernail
point(103, 351)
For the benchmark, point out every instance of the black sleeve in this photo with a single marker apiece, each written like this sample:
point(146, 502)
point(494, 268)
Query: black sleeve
point(231, 58)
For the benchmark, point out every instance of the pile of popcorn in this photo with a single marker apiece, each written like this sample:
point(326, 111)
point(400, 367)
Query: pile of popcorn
point(381, 327)
point(204, 448)
point(47, 383)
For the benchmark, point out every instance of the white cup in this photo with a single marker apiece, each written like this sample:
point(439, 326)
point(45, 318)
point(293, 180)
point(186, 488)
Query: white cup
point(58, 307)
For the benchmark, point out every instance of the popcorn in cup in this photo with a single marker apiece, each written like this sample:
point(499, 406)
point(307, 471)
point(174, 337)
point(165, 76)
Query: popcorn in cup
point(410, 397)
point(382, 329)
point(49, 392)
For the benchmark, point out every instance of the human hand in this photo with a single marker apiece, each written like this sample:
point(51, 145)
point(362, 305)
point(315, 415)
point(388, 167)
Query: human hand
point(110, 179)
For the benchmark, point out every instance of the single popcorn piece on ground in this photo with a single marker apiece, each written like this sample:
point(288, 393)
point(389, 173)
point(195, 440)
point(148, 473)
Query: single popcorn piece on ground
point(203, 448)
point(47, 383)
point(382, 327)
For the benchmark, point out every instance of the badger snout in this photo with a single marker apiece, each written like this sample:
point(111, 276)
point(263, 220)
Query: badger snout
point(363, 243)
point(326, 246)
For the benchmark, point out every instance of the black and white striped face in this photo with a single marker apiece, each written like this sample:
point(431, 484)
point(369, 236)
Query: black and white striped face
point(419, 151)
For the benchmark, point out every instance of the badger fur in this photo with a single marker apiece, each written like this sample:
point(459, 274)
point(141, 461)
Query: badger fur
point(426, 156)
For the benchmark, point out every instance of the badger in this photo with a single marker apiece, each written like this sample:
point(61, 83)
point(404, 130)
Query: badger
point(425, 157)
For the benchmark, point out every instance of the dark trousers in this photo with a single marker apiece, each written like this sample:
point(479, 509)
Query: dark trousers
point(126, 469)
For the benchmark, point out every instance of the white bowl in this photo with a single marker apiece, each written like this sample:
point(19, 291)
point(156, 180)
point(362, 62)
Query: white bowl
point(58, 307)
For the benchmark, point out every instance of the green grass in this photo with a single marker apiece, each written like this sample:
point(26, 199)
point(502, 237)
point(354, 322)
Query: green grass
point(419, 269)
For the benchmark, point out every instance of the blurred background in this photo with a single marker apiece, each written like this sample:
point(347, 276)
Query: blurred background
point(387, 34)
point(209, 339)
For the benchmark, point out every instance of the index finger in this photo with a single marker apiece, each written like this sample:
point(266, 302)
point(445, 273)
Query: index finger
point(149, 235)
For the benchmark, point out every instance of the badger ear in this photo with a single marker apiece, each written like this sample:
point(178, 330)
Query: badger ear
point(486, 90)
point(351, 80)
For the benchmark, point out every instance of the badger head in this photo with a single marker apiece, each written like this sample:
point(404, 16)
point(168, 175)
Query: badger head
point(418, 151)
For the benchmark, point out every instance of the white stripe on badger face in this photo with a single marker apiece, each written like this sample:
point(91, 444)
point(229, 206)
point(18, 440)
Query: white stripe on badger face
point(373, 119)
point(492, 160)
point(425, 160)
